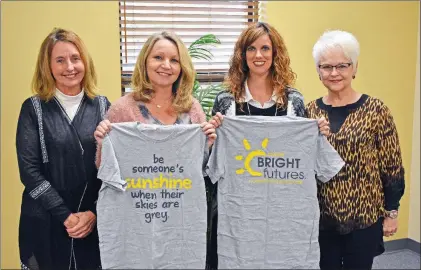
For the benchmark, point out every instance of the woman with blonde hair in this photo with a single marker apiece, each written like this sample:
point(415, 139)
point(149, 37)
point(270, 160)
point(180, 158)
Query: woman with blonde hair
point(162, 84)
point(56, 151)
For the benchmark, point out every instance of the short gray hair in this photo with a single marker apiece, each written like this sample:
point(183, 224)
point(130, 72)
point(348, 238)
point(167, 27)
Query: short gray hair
point(337, 39)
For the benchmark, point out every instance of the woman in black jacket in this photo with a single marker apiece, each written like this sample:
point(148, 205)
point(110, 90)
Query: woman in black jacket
point(56, 152)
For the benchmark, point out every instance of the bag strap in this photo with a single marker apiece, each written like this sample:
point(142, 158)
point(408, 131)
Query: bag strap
point(36, 102)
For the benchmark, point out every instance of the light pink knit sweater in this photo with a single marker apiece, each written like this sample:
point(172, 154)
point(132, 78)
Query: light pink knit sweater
point(126, 109)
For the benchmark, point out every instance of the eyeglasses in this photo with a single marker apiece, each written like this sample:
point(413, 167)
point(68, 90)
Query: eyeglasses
point(339, 67)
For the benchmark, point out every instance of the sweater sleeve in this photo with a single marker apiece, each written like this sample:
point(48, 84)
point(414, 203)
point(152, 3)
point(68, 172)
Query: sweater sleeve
point(117, 112)
point(296, 99)
point(215, 107)
point(223, 102)
point(390, 159)
point(28, 148)
point(197, 115)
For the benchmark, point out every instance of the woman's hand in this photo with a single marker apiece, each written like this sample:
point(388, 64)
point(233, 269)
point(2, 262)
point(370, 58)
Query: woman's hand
point(216, 120)
point(84, 226)
point(209, 131)
point(101, 130)
point(390, 226)
point(71, 221)
point(324, 126)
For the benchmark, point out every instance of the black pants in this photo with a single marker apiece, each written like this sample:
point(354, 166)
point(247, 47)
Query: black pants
point(355, 250)
point(211, 248)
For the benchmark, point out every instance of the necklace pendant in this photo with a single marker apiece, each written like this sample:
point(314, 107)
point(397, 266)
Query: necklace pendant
point(158, 106)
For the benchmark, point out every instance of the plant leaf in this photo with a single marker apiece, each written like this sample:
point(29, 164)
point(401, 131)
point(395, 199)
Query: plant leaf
point(199, 50)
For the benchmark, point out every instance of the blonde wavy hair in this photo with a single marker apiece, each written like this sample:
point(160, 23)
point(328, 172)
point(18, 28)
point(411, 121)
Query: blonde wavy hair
point(182, 88)
point(43, 82)
point(281, 73)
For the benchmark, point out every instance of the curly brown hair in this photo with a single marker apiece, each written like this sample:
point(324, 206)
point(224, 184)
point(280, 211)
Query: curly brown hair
point(280, 71)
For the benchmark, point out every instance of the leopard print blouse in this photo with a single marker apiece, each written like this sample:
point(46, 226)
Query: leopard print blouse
point(368, 143)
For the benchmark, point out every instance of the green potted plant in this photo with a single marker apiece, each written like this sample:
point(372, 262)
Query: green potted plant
point(205, 94)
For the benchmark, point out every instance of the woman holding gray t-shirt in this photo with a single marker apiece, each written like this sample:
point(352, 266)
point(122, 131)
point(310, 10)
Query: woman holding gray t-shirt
point(259, 82)
point(162, 84)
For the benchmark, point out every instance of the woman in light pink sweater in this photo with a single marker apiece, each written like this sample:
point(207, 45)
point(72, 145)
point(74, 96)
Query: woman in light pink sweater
point(162, 84)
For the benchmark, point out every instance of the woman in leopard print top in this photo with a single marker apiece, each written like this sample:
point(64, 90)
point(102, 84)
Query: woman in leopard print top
point(359, 205)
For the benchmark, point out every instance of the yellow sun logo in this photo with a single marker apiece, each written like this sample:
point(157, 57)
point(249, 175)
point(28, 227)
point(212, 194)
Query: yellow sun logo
point(251, 155)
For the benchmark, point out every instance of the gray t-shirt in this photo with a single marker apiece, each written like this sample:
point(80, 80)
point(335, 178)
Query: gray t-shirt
point(152, 204)
point(268, 213)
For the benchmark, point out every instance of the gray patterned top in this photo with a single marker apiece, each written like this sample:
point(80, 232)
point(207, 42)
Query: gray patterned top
point(225, 104)
point(183, 118)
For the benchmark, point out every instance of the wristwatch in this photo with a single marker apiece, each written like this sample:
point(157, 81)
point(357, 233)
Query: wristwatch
point(393, 214)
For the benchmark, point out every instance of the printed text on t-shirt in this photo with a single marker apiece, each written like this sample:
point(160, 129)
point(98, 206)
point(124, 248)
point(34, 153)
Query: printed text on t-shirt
point(160, 192)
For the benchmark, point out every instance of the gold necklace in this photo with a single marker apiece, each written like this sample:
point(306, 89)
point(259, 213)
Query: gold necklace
point(159, 106)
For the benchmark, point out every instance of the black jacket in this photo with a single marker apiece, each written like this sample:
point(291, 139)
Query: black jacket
point(56, 164)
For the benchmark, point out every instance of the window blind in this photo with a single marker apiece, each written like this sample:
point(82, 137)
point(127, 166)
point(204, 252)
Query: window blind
point(189, 20)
